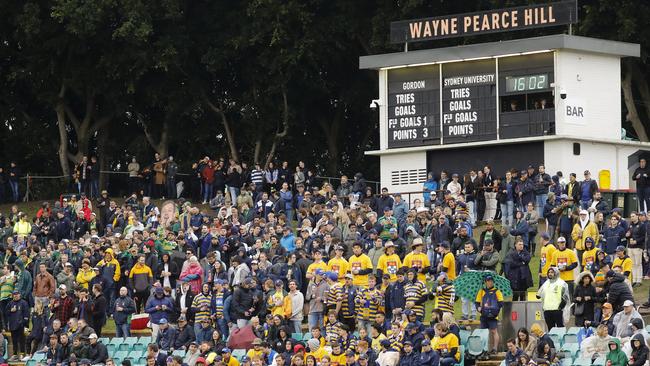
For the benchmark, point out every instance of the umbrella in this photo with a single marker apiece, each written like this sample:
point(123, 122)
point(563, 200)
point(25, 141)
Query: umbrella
point(469, 283)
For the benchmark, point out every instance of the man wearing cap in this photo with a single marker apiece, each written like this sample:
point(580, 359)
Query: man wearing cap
point(193, 354)
point(428, 357)
point(17, 311)
point(97, 352)
point(185, 335)
point(489, 301)
point(166, 335)
point(348, 309)
point(338, 264)
point(565, 261)
point(418, 260)
point(63, 305)
point(545, 256)
point(587, 189)
point(360, 265)
point(66, 276)
point(582, 230)
point(623, 261)
point(158, 307)
point(389, 262)
point(387, 222)
point(408, 357)
point(623, 318)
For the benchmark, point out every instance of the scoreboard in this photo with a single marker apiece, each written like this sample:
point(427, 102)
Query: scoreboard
point(464, 101)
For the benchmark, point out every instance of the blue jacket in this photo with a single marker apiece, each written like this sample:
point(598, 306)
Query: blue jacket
point(430, 358)
point(612, 237)
point(465, 259)
point(204, 334)
point(400, 210)
point(205, 243)
point(154, 314)
point(287, 198)
point(395, 296)
point(522, 229)
point(288, 242)
point(429, 186)
point(166, 338)
point(19, 317)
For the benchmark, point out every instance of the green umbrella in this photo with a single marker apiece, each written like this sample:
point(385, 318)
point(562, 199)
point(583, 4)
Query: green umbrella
point(469, 283)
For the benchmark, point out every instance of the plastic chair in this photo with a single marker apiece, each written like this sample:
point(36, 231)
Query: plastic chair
point(600, 361)
point(582, 362)
point(238, 353)
point(136, 354)
point(116, 341)
point(461, 361)
point(139, 347)
point(556, 339)
point(560, 331)
point(464, 335)
point(571, 349)
point(570, 339)
point(297, 336)
point(145, 340)
point(573, 330)
point(476, 345)
point(38, 356)
point(31, 363)
point(104, 340)
point(179, 352)
point(121, 355)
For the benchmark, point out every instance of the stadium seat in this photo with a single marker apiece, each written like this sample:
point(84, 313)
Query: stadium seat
point(570, 350)
point(136, 354)
point(297, 336)
point(582, 362)
point(307, 336)
point(461, 362)
point(111, 348)
point(560, 331)
point(238, 353)
point(179, 352)
point(121, 355)
point(557, 340)
point(464, 335)
point(39, 356)
point(570, 338)
point(31, 363)
point(145, 340)
point(573, 330)
point(116, 341)
point(567, 362)
point(139, 346)
point(476, 345)
point(142, 361)
point(600, 361)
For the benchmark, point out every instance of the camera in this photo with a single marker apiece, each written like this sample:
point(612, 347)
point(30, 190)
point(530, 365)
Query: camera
point(563, 94)
point(374, 104)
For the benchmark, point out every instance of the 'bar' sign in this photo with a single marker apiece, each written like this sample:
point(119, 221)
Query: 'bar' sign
point(500, 20)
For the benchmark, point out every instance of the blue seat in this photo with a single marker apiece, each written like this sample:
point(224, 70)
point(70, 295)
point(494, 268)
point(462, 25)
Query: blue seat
point(570, 338)
point(570, 350)
point(139, 347)
point(582, 361)
point(560, 331)
point(31, 363)
point(104, 340)
point(179, 352)
point(573, 330)
point(116, 341)
point(600, 361)
point(136, 354)
point(556, 339)
point(461, 362)
point(145, 340)
point(297, 336)
point(464, 335)
point(39, 356)
point(476, 345)
point(120, 354)
point(238, 353)
point(111, 348)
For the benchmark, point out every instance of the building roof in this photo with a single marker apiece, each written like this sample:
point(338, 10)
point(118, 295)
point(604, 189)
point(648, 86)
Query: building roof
point(495, 49)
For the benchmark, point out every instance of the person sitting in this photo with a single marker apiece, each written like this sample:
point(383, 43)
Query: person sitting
point(596, 345)
point(514, 352)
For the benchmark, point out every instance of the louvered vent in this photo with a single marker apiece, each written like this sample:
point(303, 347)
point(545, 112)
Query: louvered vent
point(404, 177)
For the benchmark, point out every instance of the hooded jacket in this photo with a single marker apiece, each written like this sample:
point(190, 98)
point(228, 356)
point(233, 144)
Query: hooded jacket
point(617, 357)
point(110, 269)
point(582, 292)
point(552, 299)
point(594, 345)
point(23, 280)
point(621, 321)
point(618, 292)
point(640, 354)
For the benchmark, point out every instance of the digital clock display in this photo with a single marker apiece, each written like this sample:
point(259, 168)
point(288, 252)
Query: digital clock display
point(526, 83)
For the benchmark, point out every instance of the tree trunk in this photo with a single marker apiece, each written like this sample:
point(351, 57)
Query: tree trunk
point(161, 145)
point(230, 136)
point(632, 113)
point(258, 151)
point(332, 129)
point(63, 140)
point(102, 140)
point(279, 135)
point(639, 78)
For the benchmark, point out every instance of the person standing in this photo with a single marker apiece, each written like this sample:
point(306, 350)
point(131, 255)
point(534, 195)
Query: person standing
point(565, 260)
point(44, 285)
point(519, 273)
point(18, 319)
point(642, 177)
point(297, 303)
point(134, 176)
point(489, 301)
point(99, 311)
point(124, 308)
point(159, 177)
point(141, 279)
point(555, 296)
point(14, 174)
point(171, 169)
point(542, 182)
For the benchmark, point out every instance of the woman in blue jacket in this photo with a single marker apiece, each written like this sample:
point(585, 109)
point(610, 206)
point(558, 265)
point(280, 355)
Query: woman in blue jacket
point(521, 228)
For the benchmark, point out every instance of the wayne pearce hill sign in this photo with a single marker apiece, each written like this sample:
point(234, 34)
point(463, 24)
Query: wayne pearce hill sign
point(483, 22)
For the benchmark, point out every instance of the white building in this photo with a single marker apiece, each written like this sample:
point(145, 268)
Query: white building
point(553, 100)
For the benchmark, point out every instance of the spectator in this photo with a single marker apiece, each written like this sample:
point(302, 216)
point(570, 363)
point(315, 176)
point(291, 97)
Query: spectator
point(555, 296)
point(124, 308)
point(489, 302)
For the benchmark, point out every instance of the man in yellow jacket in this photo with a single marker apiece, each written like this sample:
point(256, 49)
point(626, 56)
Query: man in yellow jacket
point(109, 269)
point(582, 230)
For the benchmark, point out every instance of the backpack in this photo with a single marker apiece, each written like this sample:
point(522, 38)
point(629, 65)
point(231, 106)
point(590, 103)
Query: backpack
point(489, 304)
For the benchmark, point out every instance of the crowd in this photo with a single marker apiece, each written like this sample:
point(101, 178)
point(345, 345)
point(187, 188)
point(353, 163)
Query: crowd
point(355, 271)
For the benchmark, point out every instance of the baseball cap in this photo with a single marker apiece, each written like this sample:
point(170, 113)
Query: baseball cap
point(607, 305)
point(425, 342)
point(445, 244)
point(385, 343)
point(162, 321)
point(63, 287)
point(363, 356)
point(333, 276)
point(417, 241)
point(488, 278)
point(200, 360)
point(545, 236)
point(589, 239)
point(93, 335)
point(389, 244)
point(561, 239)
point(564, 197)
point(279, 283)
point(628, 303)
point(620, 248)
point(226, 350)
point(256, 342)
point(392, 230)
point(182, 318)
point(319, 272)
point(386, 209)
point(349, 275)
point(408, 343)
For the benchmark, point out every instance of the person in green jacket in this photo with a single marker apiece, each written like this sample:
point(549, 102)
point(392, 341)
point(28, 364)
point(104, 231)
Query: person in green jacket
point(23, 283)
point(616, 357)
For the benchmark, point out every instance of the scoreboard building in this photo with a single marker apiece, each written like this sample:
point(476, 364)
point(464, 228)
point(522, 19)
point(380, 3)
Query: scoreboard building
point(553, 100)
